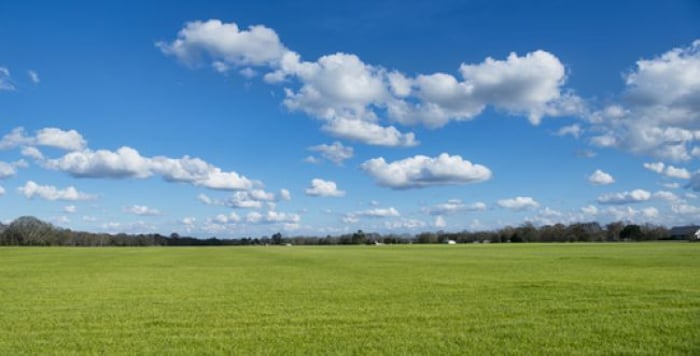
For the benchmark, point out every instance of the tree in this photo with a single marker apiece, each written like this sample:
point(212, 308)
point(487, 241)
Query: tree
point(613, 230)
point(277, 239)
point(359, 238)
point(631, 232)
point(28, 230)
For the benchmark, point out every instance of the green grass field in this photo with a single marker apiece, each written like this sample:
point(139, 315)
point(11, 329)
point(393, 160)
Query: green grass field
point(637, 298)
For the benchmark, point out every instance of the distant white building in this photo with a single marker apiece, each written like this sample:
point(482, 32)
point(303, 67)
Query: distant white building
point(451, 242)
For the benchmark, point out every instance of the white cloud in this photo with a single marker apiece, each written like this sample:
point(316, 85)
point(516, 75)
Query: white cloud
point(635, 196)
point(589, 210)
point(141, 210)
point(378, 212)
point(2, 191)
point(227, 219)
point(440, 222)
point(32, 152)
point(252, 199)
point(600, 178)
point(354, 217)
point(285, 195)
point(33, 76)
point(49, 192)
point(661, 107)
point(574, 130)
point(70, 209)
point(271, 217)
point(405, 224)
point(122, 163)
point(666, 195)
point(518, 203)
point(368, 132)
point(5, 80)
point(69, 140)
point(127, 162)
point(10, 169)
point(657, 167)
point(453, 206)
point(226, 43)
point(335, 152)
point(188, 221)
point(668, 170)
point(352, 97)
point(205, 199)
point(675, 172)
point(422, 171)
point(324, 188)
point(248, 72)
point(549, 212)
point(672, 185)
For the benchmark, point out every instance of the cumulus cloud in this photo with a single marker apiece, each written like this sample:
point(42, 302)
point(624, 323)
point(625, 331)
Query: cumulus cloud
point(453, 206)
point(630, 214)
point(49, 192)
point(635, 196)
point(518, 203)
point(574, 130)
point(224, 43)
point(5, 80)
point(657, 167)
point(68, 140)
point(668, 170)
point(323, 188)
point(285, 195)
point(227, 219)
point(10, 169)
point(405, 224)
point(368, 132)
point(589, 210)
point(249, 199)
point(70, 209)
point(32, 152)
point(141, 210)
point(353, 98)
point(378, 212)
point(600, 178)
point(422, 171)
point(375, 213)
point(122, 163)
point(127, 162)
point(660, 107)
point(2, 191)
point(675, 172)
point(188, 221)
point(271, 217)
point(666, 195)
point(335, 152)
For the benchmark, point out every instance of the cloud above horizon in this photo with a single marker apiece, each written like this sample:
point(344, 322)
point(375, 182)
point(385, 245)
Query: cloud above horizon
point(358, 101)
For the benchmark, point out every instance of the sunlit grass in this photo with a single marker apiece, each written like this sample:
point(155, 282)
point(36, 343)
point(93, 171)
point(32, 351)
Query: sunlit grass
point(478, 299)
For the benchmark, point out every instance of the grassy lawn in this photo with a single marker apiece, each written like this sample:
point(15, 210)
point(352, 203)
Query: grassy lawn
point(637, 298)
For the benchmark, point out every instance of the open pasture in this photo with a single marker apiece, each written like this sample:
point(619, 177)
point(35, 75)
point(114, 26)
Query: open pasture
point(637, 298)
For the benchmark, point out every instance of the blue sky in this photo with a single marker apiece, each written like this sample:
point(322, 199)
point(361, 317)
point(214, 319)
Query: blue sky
point(243, 119)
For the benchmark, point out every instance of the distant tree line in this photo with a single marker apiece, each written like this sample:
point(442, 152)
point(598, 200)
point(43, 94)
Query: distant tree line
point(30, 231)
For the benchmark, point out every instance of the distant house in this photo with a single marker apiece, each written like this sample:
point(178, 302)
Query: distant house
point(684, 232)
point(451, 242)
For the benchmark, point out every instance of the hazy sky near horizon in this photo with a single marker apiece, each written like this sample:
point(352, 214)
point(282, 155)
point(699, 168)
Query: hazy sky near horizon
point(233, 119)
